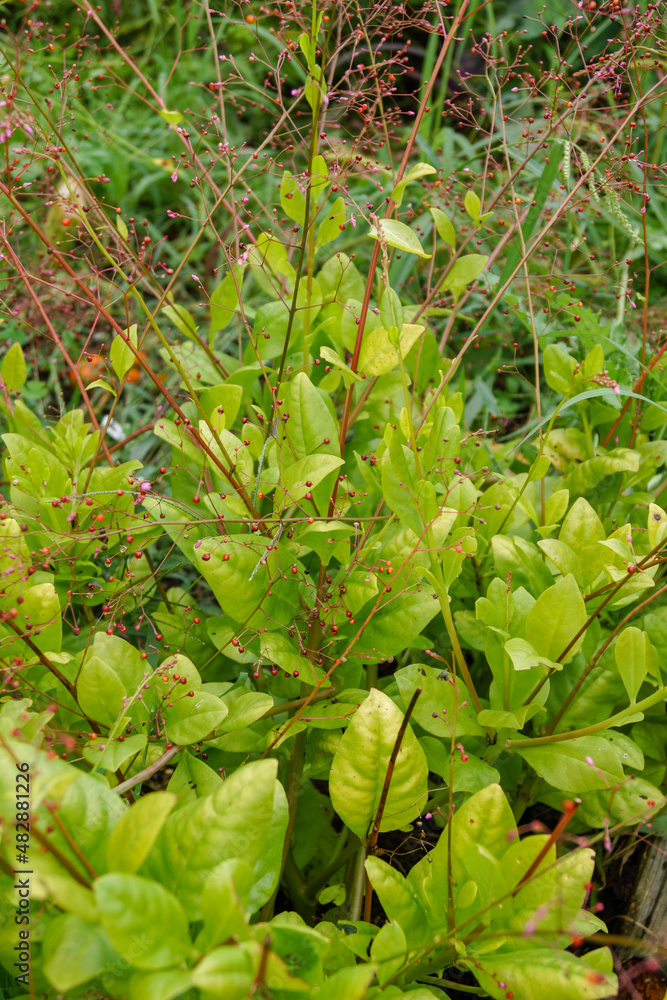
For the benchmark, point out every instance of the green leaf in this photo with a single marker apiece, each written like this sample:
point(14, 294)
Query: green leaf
point(398, 900)
point(359, 769)
point(114, 753)
point(543, 972)
point(182, 320)
point(309, 470)
point(121, 227)
point(439, 708)
point(393, 627)
point(311, 421)
point(388, 951)
point(338, 364)
point(558, 365)
point(292, 198)
point(171, 117)
point(122, 356)
point(524, 657)
point(74, 951)
point(397, 234)
point(582, 530)
point(100, 691)
point(464, 271)
point(473, 205)
point(554, 620)
point(145, 922)
point(99, 383)
point(136, 831)
point(657, 524)
point(378, 356)
point(245, 818)
point(414, 173)
point(13, 370)
point(193, 718)
point(348, 984)
point(636, 657)
point(226, 973)
point(224, 898)
point(575, 766)
point(444, 227)
point(329, 228)
point(224, 302)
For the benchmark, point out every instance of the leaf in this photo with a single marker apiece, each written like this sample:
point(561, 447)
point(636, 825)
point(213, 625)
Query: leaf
point(181, 319)
point(310, 421)
point(438, 709)
point(473, 205)
point(121, 227)
point(193, 718)
point(136, 831)
point(582, 530)
point(543, 972)
point(338, 364)
point(444, 227)
point(245, 818)
point(292, 198)
point(13, 370)
point(359, 769)
point(226, 973)
point(145, 922)
point(554, 620)
point(296, 479)
point(224, 302)
point(393, 627)
point(171, 117)
point(558, 365)
point(398, 900)
point(524, 657)
point(657, 524)
point(388, 951)
point(378, 356)
point(329, 228)
point(122, 356)
point(350, 983)
point(74, 951)
point(414, 173)
point(575, 766)
point(463, 272)
point(100, 691)
point(397, 234)
point(99, 383)
point(635, 656)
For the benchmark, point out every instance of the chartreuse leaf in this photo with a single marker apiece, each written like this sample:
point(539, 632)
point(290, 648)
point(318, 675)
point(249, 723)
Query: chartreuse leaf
point(398, 900)
point(636, 657)
point(657, 525)
point(414, 174)
point(359, 769)
point(224, 898)
point(397, 234)
point(463, 273)
point(575, 766)
point(225, 972)
point(245, 818)
point(225, 301)
point(350, 983)
point(389, 950)
point(171, 117)
point(543, 972)
point(558, 365)
point(555, 619)
point(74, 951)
point(302, 476)
point(136, 831)
point(122, 356)
point(100, 691)
point(444, 227)
point(331, 225)
point(13, 370)
point(145, 922)
point(439, 709)
point(292, 198)
point(378, 355)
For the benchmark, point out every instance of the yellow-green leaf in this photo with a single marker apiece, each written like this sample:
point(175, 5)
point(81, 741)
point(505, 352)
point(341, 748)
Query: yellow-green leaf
point(397, 234)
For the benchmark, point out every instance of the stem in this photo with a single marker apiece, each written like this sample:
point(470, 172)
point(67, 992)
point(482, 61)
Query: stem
point(358, 884)
point(147, 771)
point(614, 720)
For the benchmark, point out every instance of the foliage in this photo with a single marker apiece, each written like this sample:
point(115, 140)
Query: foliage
point(314, 610)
